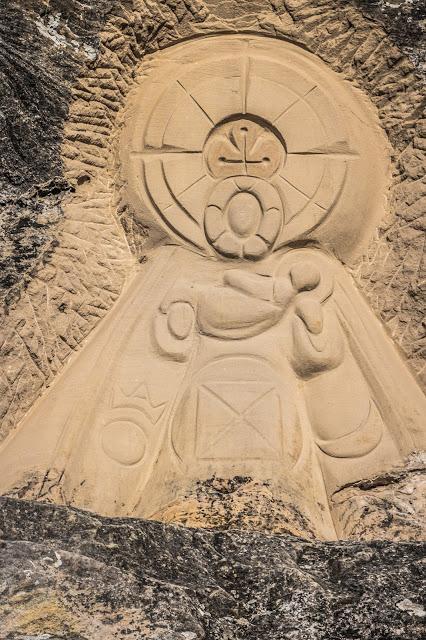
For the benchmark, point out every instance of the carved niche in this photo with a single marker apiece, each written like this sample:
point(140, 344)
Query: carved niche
point(243, 348)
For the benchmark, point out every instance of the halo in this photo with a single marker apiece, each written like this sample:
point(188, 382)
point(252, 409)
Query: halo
point(325, 132)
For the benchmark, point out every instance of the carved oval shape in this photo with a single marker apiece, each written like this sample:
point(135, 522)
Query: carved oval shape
point(305, 276)
point(123, 441)
point(244, 214)
point(180, 319)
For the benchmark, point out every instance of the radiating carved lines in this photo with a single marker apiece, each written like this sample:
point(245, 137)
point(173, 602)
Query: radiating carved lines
point(196, 102)
point(305, 126)
point(294, 187)
point(203, 177)
point(166, 220)
point(245, 77)
point(290, 106)
point(328, 152)
point(174, 198)
point(164, 151)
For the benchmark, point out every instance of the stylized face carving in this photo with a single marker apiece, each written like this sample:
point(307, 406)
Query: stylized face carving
point(244, 214)
point(243, 217)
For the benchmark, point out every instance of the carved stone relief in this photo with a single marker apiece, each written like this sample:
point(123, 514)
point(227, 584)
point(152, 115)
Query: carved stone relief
point(243, 348)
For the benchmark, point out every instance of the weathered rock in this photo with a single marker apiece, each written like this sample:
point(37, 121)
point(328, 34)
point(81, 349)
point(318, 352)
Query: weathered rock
point(69, 574)
point(390, 506)
point(55, 56)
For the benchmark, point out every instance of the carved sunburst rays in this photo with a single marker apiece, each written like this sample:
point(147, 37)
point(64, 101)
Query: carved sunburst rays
point(190, 141)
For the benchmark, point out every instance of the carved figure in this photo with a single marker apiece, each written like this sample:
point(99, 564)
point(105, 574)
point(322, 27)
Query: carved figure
point(243, 348)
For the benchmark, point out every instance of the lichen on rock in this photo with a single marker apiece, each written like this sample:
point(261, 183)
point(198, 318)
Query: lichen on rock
point(68, 575)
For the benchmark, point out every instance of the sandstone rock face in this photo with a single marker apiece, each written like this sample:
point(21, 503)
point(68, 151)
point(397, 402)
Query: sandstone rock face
point(81, 243)
point(73, 52)
point(243, 347)
point(66, 574)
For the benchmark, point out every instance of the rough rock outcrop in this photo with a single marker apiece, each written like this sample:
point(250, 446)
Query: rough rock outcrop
point(66, 67)
point(67, 574)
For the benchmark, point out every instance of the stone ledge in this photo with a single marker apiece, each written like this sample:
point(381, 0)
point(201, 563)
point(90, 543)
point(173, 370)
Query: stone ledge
point(70, 574)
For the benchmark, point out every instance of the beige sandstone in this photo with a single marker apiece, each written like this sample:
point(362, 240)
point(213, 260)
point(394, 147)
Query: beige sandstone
point(242, 348)
point(98, 244)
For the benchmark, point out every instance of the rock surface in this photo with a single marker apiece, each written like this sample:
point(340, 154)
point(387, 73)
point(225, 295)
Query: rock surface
point(67, 574)
point(65, 70)
point(390, 507)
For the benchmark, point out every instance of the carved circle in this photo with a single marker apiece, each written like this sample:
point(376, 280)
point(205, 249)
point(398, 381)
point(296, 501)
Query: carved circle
point(180, 320)
point(305, 276)
point(242, 105)
point(243, 147)
point(243, 218)
point(123, 441)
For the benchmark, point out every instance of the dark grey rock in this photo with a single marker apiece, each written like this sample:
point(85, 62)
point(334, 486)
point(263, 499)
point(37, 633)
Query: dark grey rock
point(127, 578)
point(404, 20)
point(36, 76)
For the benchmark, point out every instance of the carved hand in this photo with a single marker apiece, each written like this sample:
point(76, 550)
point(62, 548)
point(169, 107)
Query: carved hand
point(317, 337)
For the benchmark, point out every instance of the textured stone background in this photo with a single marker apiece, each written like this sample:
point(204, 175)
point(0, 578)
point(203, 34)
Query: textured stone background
point(65, 69)
point(65, 574)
